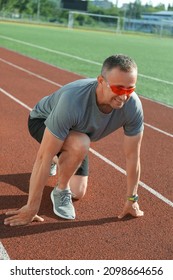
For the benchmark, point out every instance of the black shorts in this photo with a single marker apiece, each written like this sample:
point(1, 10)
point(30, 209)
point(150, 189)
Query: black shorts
point(37, 127)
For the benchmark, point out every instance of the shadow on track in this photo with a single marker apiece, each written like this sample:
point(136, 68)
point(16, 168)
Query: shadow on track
point(21, 181)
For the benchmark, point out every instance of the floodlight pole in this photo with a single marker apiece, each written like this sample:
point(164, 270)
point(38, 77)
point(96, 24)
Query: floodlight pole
point(38, 9)
point(70, 20)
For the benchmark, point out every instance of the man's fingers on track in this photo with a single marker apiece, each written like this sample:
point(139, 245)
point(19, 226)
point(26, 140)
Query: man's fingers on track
point(38, 219)
point(12, 212)
point(141, 213)
point(17, 222)
point(122, 215)
point(12, 222)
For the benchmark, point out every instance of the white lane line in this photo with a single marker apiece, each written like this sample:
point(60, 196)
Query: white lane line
point(155, 79)
point(3, 253)
point(159, 130)
point(49, 50)
point(30, 73)
point(151, 190)
point(142, 184)
point(157, 102)
point(15, 99)
point(59, 85)
point(77, 57)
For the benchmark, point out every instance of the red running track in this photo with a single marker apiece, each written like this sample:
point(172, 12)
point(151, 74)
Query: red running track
point(96, 233)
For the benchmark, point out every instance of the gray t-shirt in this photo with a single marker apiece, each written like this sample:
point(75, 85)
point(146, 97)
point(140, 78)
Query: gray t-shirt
point(74, 107)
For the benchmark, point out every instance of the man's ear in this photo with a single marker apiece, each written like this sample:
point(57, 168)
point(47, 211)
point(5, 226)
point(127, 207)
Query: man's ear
point(100, 79)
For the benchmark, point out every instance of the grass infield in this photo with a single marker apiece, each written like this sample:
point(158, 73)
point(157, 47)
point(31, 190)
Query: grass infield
point(83, 52)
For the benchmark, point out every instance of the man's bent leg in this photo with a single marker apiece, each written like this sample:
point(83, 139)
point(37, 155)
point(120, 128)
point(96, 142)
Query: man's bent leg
point(79, 181)
point(73, 152)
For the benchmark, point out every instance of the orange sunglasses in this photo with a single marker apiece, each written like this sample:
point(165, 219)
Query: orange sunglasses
point(120, 90)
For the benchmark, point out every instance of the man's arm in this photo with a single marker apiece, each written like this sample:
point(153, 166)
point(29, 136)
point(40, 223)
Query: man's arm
point(49, 147)
point(132, 146)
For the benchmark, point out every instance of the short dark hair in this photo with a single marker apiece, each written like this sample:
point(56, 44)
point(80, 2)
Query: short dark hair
point(123, 62)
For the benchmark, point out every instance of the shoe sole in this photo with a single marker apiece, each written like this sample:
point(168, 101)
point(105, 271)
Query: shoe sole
point(54, 210)
point(53, 174)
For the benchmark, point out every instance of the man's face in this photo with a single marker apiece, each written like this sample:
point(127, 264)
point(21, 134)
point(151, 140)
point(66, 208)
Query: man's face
point(117, 87)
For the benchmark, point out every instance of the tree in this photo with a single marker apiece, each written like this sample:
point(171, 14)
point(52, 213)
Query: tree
point(47, 8)
point(3, 4)
point(134, 10)
point(19, 5)
point(170, 8)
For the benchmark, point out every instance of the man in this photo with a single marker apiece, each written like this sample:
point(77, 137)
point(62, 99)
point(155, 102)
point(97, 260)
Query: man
point(67, 121)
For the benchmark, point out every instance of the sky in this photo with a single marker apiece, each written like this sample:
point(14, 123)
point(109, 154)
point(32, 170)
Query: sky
point(154, 2)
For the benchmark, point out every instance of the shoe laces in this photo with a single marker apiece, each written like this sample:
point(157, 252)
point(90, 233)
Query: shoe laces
point(65, 197)
point(52, 165)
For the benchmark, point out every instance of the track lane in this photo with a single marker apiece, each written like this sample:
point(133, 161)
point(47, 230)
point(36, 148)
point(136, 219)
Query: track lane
point(160, 182)
point(96, 221)
point(162, 120)
point(29, 89)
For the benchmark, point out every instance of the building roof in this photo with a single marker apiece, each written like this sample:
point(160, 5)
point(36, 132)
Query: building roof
point(164, 13)
point(158, 15)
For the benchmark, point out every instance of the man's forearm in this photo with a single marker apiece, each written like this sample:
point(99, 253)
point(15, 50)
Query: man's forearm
point(133, 175)
point(38, 180)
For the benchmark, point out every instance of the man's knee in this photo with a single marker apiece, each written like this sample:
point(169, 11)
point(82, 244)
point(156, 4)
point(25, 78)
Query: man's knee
point(77, 142)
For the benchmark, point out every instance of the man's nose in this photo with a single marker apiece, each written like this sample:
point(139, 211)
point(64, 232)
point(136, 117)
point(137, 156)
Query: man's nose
point(122, 97)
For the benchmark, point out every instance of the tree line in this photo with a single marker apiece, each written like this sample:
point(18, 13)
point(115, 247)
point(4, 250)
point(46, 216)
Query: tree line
point(52, 8)
point(30, 7)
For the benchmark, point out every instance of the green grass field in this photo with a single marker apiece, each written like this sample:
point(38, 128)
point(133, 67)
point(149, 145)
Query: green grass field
point(83, 52)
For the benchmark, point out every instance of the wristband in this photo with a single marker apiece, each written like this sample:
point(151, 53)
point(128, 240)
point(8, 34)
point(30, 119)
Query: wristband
point(134, 198)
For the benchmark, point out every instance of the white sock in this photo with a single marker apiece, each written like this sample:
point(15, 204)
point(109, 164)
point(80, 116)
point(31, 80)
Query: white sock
point(59, 190)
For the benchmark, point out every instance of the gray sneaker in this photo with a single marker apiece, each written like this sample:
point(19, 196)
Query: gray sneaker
point(62, 204)
point(53, 169)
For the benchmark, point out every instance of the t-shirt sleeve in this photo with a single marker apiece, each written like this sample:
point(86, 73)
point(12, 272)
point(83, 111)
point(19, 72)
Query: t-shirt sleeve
point(134, 117)
point(62, 118)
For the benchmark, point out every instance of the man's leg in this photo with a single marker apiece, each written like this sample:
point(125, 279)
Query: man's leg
point(78, 142)
point(73, 152)
point(79, 181)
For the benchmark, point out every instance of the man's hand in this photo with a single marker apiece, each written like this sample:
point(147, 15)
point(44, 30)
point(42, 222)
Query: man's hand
point(22, 216)
point(131, 208)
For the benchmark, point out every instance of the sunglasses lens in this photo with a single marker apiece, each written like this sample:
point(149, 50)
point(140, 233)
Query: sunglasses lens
point(121, 91)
